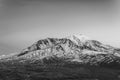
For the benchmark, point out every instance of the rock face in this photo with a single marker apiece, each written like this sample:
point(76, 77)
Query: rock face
point(74, 48)
point(71, 58)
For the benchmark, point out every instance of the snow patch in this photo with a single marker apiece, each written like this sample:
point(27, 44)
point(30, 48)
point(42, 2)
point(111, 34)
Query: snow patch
point(78, 38)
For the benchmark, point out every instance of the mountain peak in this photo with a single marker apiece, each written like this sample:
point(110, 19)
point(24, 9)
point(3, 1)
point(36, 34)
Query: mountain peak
point(81, 37)
point(77, 38)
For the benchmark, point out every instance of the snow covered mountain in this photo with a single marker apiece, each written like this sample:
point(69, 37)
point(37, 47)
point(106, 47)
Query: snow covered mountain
point(81, 42)
point(75, 57)
point(76, 48)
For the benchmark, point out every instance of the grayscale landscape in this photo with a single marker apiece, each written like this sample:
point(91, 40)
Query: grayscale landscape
point(59, 40)
point(71, 58)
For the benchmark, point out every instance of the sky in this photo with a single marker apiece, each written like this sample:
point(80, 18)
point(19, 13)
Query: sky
point(23, 22)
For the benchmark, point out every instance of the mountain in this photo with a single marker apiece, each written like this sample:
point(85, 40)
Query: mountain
point(72, 47)
point(75, 57)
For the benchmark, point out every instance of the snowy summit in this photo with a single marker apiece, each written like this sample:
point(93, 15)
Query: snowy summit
point(78, 38)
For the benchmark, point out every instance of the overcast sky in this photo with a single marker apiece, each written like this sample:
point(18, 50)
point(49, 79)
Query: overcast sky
point(22, 22)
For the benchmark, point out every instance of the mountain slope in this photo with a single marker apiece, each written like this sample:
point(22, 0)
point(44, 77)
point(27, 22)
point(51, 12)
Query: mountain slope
point(72, 47)
point(69, 58)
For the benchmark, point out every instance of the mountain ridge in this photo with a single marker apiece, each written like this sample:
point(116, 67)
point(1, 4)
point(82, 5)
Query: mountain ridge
point(71, 48)
point(75, 58)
